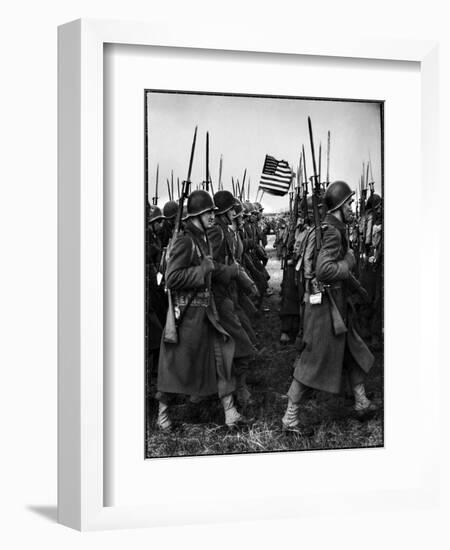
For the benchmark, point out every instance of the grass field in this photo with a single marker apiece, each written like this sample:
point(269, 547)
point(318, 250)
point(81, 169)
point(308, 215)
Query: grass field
point(328, 420)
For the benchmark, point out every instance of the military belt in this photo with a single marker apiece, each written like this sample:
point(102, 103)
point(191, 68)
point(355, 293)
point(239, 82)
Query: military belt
point(200, 299)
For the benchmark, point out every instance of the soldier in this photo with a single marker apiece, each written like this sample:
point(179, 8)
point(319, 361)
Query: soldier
point(260, 234)
point(170, 211)
point(231, 315)
point(290, 297)
point(255, 251)
point(244, 291)
point(251, 263)
point(154, 249)
point(331, 348)
point(155, 301)
point(373, 269)
point(200, 363)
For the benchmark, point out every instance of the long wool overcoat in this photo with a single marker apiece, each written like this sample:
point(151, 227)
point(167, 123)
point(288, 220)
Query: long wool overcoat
point(225, 291)
point(321, 363)
point(200, 363)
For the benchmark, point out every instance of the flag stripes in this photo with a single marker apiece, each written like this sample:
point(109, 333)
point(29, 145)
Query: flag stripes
point(276, 176)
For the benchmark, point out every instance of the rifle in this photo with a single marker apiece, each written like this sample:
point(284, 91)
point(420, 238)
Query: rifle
point(336, 317)
point(304, 185)
point(155, 198)
point(362, 216)
point(220, 185)
point(207, 162)
point(371, 182)
point(242, 194)
point(315, 192)
point(328, 158)
point(320, 163)
point(170, 330)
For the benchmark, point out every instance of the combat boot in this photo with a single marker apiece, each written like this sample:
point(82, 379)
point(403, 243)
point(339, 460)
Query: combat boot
point(233, 418)
point(290, 420)
point(243, 394)
point(163, 422)
point(362, 405)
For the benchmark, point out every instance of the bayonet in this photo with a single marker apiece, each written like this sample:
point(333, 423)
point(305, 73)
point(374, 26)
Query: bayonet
point(320, 163)
point(207, 162)
point(220, 174)
point(316, 191)
point(328, 158)
point(155, 198)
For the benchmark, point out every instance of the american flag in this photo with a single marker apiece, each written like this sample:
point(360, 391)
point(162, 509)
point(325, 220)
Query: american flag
point(276, 176)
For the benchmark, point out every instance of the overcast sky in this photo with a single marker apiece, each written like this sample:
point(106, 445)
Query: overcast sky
point(245, 129)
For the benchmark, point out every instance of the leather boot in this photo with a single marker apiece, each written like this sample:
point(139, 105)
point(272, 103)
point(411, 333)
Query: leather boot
point(243, 394)
point(290, 420)
point(232, 417)
point(163, 422)
point(362, 404)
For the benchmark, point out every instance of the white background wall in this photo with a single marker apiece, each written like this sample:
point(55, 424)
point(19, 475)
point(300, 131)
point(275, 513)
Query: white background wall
point(28, 272)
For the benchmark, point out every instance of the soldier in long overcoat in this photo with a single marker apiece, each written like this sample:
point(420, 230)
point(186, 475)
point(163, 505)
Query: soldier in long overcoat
point(200, 364)
point(232, 316)
point(329, 352)
point(244, 291)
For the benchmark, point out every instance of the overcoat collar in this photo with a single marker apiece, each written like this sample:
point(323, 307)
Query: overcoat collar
point(340, 226)
point(197, 233)
point(332, 220)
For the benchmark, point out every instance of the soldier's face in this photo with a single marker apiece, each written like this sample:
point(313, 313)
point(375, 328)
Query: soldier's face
point(347, 211)
point(229, 216)
point(208, 219)
point(157, 226)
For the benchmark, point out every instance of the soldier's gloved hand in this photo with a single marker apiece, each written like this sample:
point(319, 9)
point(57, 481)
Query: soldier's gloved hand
point(350, 258)
point(207, 265)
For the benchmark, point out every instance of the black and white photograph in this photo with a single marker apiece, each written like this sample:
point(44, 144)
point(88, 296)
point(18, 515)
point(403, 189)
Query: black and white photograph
point(264, 297)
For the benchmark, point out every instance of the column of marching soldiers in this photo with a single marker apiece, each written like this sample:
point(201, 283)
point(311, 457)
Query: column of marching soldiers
point(206, 279)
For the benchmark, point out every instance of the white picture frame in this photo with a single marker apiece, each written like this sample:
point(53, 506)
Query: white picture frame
point(81, 481)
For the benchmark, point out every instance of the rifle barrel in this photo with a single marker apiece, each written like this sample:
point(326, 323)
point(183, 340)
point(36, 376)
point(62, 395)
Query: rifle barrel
point(207, 162)
point(328, 157)
point(188, 179)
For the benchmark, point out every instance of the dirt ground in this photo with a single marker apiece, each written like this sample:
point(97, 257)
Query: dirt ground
point(328, 420)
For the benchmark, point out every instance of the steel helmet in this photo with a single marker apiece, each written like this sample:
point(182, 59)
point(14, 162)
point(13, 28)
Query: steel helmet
point(198, 203)
point(170, 209)
point(155, 214)
point(336, 195)
point(224, 201)
point(309, 204)
point(238, 208)
point(258, 206)
point(373, 201)
point(248, 208)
